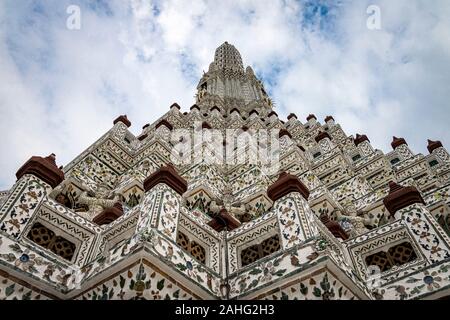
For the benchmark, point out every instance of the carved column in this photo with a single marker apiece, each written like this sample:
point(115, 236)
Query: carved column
point(407, 204)
point(295, 217)
point(161, 204)
point(35, 180)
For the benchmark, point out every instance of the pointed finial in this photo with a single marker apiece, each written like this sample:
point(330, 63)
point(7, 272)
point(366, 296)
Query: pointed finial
point(433, 145)
point(52, 158)
point(291, 115)
point(123, 118)
point(44, 168)
point(396, 142)
point(400, 197)
point(393, 186)
point(360, 138)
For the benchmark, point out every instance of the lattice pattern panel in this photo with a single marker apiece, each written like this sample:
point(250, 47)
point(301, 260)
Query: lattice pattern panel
point(183, 241)
point(394, 256)
point(195, 249)
point(250, 255)
point(402, 253)
point(379, 259)
point(261, 250)
point(198, 252)
point(47, 239)
point(270, 245)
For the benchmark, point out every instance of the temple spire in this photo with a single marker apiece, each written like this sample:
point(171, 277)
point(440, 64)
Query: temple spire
point(228, 85)
point(227, 57)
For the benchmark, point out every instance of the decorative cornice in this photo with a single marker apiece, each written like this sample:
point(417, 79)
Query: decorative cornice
point(433, 145)
point(167, 175)
point(334, 227)
point(396, 142)
point(272, 113)
point(311, 116)
point(109, 214)
point(224, 220)
point(43, 168)
point(400, 197)
point(123, 118)
point(291, 115)
point(194, 107)
point(286, 184)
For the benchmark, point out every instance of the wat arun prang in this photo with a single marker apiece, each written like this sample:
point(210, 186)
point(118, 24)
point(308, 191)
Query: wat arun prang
point(228, 201)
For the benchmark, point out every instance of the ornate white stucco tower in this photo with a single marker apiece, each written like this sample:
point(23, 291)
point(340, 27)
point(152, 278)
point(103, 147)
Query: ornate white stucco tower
point(226, 84)
point(188, 210)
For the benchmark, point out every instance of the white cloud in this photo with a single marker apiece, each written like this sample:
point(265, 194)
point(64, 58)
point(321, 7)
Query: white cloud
point(61, 89)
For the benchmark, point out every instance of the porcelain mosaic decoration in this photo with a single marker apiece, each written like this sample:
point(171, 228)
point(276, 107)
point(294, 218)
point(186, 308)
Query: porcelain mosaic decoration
point(181, 212)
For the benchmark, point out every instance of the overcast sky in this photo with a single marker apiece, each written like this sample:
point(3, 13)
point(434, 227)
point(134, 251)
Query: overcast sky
point(60, 89)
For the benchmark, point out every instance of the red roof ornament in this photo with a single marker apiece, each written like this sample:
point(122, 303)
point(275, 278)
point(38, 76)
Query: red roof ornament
point(396, 142)
point(360, 139)
point(334, 227)
point(214, 108)
point(433, 145)
point(167, 175)
point(43, 168)
point(123, 118)
point(400, 197)
point(284, 132)
point(329, 118)
point(224, 221)
point(205, 125)
point(322, 135)
point(164, 122)
point(143, 137)
point(286, 184)
point(175, 105)
point(109, 214)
